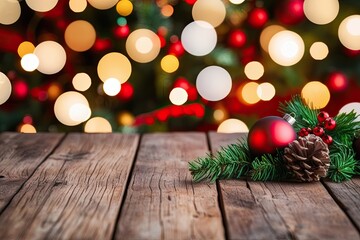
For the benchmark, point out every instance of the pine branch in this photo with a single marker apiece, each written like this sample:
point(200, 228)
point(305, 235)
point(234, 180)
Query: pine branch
point(305, 117)
point(342, 165)
point(268, 168)
point(232, 161)
point(346, 128)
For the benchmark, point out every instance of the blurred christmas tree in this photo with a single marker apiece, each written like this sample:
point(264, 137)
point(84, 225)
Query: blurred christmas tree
point(146, 66)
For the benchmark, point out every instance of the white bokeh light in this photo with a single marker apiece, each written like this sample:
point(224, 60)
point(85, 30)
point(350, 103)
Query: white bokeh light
point(199, 38)
point(143, 45)
point(178, 96)
point(52, 57)
point(211, 11)
point(213, 83)
point(349, 32)
point(319, 50)
point(286, 48)
point(321, 11)
point(79, 112)
point(29, 62)
point(10, 11)
point(254, 70)
point(266, 91)
point(81, 81)
point(5, 88)
point(41, 6)
point(114, 65)
point(112, 86)
point(354, 106)
point(102, 4)
point(232, 125)
point(98, 125)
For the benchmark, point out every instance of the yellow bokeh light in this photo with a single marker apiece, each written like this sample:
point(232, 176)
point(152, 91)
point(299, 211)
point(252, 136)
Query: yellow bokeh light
point(41, 6)
point(52, 57)
point(25, 48)
point(315, 94)
point(81, 82)
point(178, 96)
point(286, 48)
point(80, 35)
point(114, 65)
point(349, 32)
point(5, 88)
point(254, 70)
point(232, 126)
point(167, 10)
point(98, 125)
point(266, 91)
point(125, 119)
point(219, 115)
point(54, 91)
point(112, 87)
point(321, 11)
point(319, 50)
point(143, 45)
point(124, 7)
point(10, 11)
point(27, 128)
point(267, 34)
point(169, 63)
point(77, 6)
point(211, 11)
point(249, 93)
point(29, 62)
point(102, 4)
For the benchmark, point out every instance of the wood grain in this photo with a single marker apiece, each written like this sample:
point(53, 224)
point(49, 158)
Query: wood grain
point(273, 210)
point(162, 201)
point(347, 194)
point(20, 155)
point(76, 193)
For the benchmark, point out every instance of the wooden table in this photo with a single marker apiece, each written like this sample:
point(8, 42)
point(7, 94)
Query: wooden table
point(114, 186)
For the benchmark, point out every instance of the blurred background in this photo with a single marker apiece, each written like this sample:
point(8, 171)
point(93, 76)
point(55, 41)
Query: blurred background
point(173, 65)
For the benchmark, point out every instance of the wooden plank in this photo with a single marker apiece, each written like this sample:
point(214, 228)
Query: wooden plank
point(347, 194)
point(162, 201)
point(76, 193)
point(20, 155)
point(273, 210)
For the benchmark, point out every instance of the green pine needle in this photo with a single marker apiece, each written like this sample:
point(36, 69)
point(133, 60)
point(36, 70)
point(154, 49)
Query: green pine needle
point(232, 161)
point(268, 168)
point(342, 165)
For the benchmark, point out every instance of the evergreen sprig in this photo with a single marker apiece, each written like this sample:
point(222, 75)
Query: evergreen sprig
point(232, 161)
point(346, 128)
point(268, 168)
point(342, 165)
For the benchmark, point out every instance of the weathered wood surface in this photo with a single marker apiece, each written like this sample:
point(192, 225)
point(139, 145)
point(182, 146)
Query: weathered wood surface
point(162, 202)
point(76, 193)
point(271, 210)
point(20, 155)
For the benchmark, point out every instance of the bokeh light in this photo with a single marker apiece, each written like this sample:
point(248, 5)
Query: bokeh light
point(178, 96)
point(211, 11)
point(81, 81)
point(114, 65)
point(349, 32)
point(54, 91)
point(102, 4)
point(29, 62)
point(5, 88)
point(266, 91)
point(25, 48)
point(27, 128)
point(321, 11)
point(112, 86)
point(213, 83)
point(286, 48)
point(167, 10)
point(98, 125)
point(232, 125)
point(199, 38)
point(72, 108)
point(10, 11)
point(267, 34)
point(80, 35)
point(143, 45)
point(319, 50)
point(354, 106)
point(52, 57)
point(41, 6)
point(125, 118)
point(169, 63)
point(77, 6)
point(315, 94)
point(237, 1)
point(254, 70)
point(249, 93)
point(124, 7)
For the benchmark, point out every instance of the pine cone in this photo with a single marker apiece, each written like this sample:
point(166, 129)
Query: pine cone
point(308, 158)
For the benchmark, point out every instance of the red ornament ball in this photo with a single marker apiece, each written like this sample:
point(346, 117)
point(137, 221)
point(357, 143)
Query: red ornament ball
point(329, 124)
point(337, 82)
point(237, 39)
point(258, 17)
point(318, 131)
point(327, 139)
point(291, 12)
point(322, 116)
point(270, 133)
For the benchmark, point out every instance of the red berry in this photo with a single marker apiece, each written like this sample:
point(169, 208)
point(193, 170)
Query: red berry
point(303, 132)
point(327, 139)
point(318, 131)
point(322, 116)
point(329, 124)
point(309, 130)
